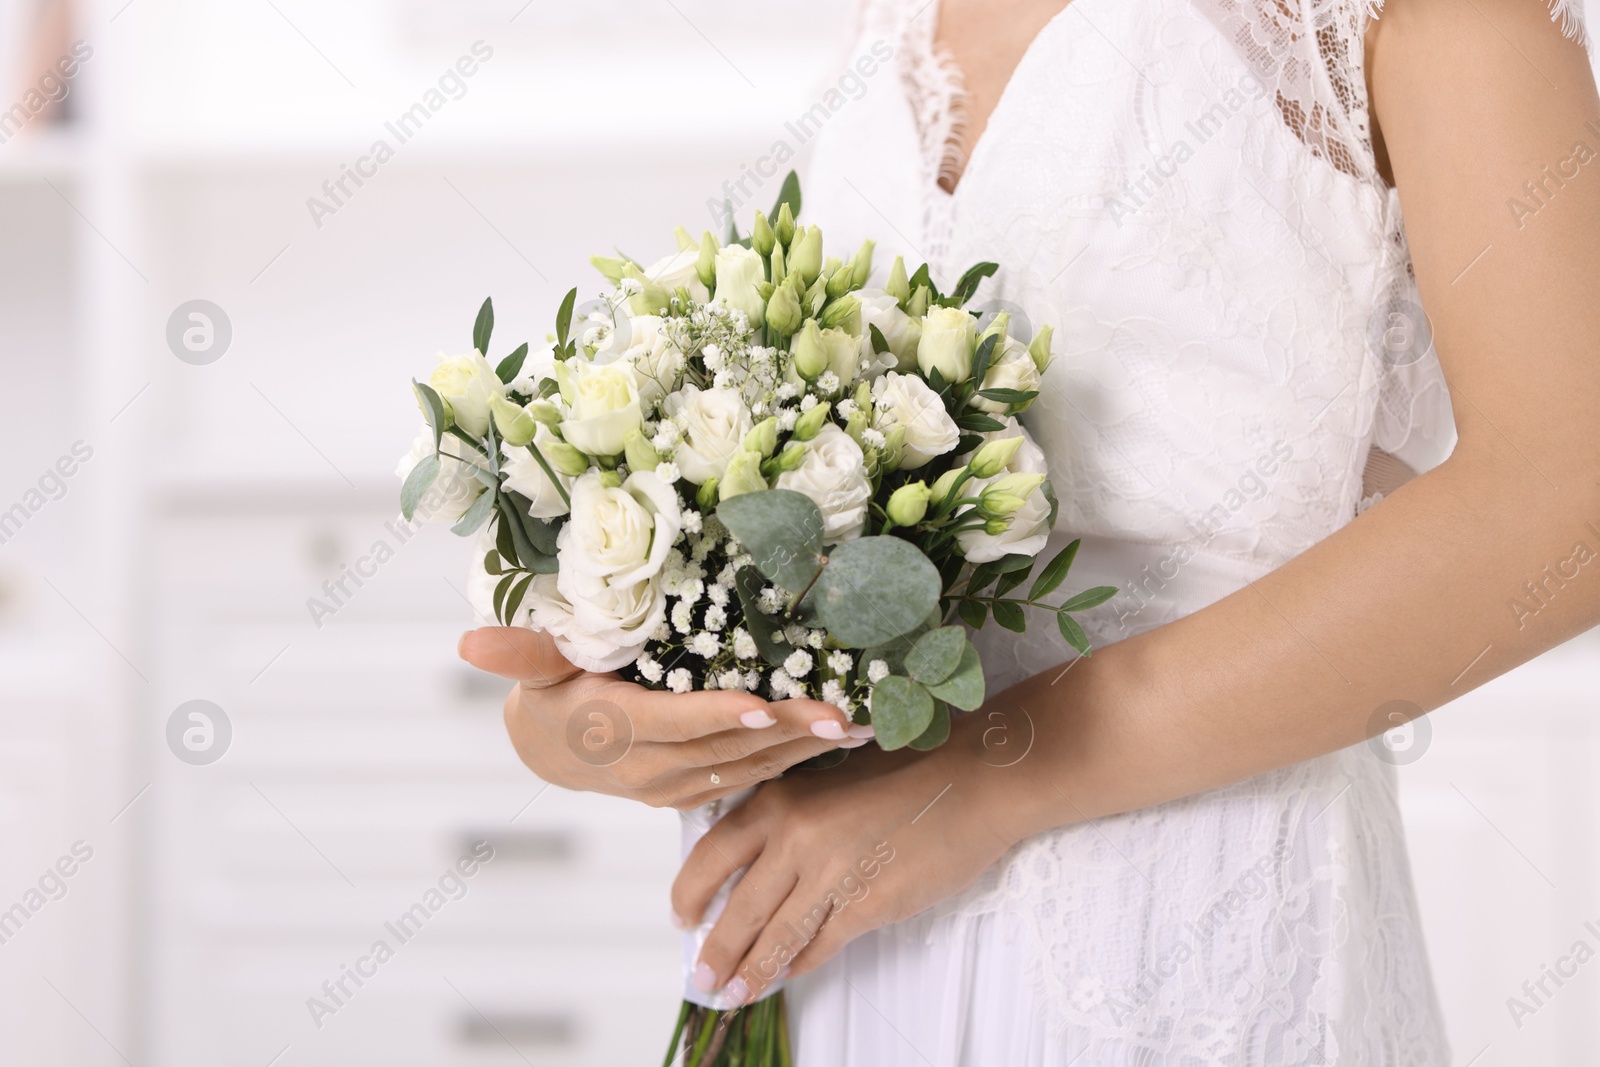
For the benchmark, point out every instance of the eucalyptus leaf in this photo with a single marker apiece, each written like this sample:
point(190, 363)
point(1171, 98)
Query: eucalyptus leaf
point(434, 410)
point(748, 583)
point(1008, 613)
point(1073, 633)
point(938, 731)
point(544, 564)
point(874, 589)
point(483, 327)
point(511, 519)
point(782, 531)
point(511, 366)
point(1089, 598)
point(1055, 572)
point(936, 654)
point(901, 711)
point(417, 483)
point(475, 516)
point(964, 688)
point(541, 533)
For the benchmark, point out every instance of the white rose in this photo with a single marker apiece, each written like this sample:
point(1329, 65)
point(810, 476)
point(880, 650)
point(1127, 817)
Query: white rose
point(906, 400)
point(602, 407)
point(1030, 525)
point(455, 487)
point(1012, 369)
point(679, 271)
point(947, 343)
point(524, 475)
point(713, 423)
point(655, 362)
point(901, 331)
point(740, 272)
point(834, 475)
point(466, 383)
point(621, 534)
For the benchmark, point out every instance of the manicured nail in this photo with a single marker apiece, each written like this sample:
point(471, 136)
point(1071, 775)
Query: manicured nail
point(856, 743)
point(757, 719)
point(736, 991)
point(828, 730)
point(705, 979)
point(864, 730)
point(461, 644)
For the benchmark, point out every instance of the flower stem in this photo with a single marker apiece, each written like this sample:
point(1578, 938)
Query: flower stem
point(565, 499)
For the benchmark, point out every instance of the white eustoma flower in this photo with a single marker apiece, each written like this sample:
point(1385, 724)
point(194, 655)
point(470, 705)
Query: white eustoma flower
point(456, 486)
point(1029, 528)
point(1012, 368)
point(740, 272)
point(655, 362)
point(678, 271)
point(466, 383)
point(901, 331)
point(834, 475)
point(524, 475)
point(948, 340)
point(906, 400)
point(714, 422)
point(603, 407)
point(539, 365)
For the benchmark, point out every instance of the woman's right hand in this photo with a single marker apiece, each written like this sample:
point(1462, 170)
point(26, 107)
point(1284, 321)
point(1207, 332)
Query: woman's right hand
point(599, 733)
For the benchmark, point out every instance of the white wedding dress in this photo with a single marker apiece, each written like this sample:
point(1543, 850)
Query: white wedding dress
point(1187, 190)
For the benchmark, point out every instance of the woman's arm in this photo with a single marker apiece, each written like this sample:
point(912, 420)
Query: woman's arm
point(1412, 601)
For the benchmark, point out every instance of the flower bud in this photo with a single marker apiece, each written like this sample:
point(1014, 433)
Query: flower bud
point(810, 354)
point(651, 298)
point(945, 485)
point(564, 458)
point(778, 270)
point(996, 527)
point(909, 503)
point(947, 344)
point(706, 265)
point(1006, 496)
point(762, 239)
point(999, 328)
point(610, 267)
point(546, 412)
point(838, 282)
point(685, 242)
point(1040, 348)
point(855, 424)
point(763, 437)
point(783, 310)
point(840, 312)
point(793, 454)
point(706, 497)
point(515, 424)
point(805, 257)
point(917, 306)
point(810, 424)
point(894, 448)
point(898, 286)
point(784, 230)
point(1021, 484)
point(641, 456)
point(742, 476)
point(992, 458)
point(611, 479)
point(861, 266)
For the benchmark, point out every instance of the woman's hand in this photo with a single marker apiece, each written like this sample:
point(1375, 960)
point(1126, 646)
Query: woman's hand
point(599, 733)
point(830, 857)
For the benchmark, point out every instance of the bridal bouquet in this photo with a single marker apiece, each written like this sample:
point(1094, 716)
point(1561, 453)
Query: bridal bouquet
point(744, 468)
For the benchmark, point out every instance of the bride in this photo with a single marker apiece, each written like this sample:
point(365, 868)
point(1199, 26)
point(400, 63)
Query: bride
point(1321, 504)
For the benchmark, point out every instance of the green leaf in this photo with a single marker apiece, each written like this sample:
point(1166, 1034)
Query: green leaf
point(981, 358)
point(731, 237)
point(974, 613)
point(922, 277)
point(1008, 613)
point(511, 366)
point(1013, 561)
point(968, 285)
point(879, 345)
point(491, 563)
point(483, 327)
point(874, 589)
point(936, 654)
point(1055, 572)
point(1008, 396)
point(417, 483)
point(503, 544)
point(978, 422)
point(789, 194)
point(901, 711)
point(748, 583)
point(541, 533)
point(938, 731)
point(982, 575)
point(1013, 579)
point(1073, 633)
point(782, 530)
point(964, 688)
point(514, 598)
point(548, 387)
point(511, 521)
point(965, 443)
point(1049, 492)
point(564, 317)
point(502, 587)
point(1089, 598)
point(433, 409)
point(475, 516)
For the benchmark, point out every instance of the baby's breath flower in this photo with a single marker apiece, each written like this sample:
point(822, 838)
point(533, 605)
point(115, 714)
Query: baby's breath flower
point(798, 664)
point(808, 402)
point(840, 661)
point(770, 600)
point(828, 382)
point(667, 471)
point(873, 437)
point(682, 616)
point(730, 680)
point(705, 644)
point(718, 593)
point(815, 638)
point(845, 407)
point(744, 646)
point(680, 681)
point(716, 617)
point(649, 669)
point(752, 680)
point(833, 693)
point(877, 671)
point(691, 519)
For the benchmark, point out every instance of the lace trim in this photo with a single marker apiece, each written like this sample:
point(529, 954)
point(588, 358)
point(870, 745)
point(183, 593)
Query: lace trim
point(938, 97)
point(1569, 13)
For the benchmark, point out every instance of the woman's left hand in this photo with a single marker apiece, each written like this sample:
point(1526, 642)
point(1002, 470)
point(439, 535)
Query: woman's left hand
point(831, 856)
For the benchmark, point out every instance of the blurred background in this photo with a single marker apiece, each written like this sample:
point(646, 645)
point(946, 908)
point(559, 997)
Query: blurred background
point(236, 746)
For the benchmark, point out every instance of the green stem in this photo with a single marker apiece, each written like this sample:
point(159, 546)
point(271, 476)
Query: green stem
point(565, 499)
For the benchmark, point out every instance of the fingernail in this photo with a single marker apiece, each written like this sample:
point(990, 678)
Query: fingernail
point(705, 979)
point(461, 643)
point(864, 730)
point(678, 921)
point(855, 744)
point(828, 730)
point(736, 991)
point(757, 719)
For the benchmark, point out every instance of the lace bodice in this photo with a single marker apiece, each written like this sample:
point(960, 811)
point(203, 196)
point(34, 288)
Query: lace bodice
point(1187, 189)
